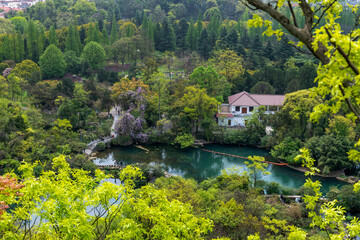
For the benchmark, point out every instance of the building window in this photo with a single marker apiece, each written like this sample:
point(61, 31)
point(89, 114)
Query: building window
point(244, 110)
point(237, 109)
point(251, 109)
point(229, 122)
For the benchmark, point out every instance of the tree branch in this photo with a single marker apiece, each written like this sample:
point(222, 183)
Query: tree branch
point(342, 52)
point(292, 13)
point(308, 14)
point(322, 15)
point(297, 48)
point(304, 35)
point(351, 65)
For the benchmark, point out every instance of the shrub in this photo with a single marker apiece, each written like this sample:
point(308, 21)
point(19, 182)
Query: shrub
point(101, 146)
point(287, 150)
point(184, 140)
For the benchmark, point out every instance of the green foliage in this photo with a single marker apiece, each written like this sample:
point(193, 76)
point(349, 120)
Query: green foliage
point(287, 150)
point(54, 197)
point(330, 152)
point(256, 168)
point(101, 146)
point(94, 54)
point(262, 88)
point(184, 140)
point(52, 63)
point(346, 198)
point(209, 79)
point(196, 105)
point(28, 70)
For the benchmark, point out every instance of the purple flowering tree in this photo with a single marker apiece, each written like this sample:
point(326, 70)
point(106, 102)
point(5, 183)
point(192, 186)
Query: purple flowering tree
point(130, 126)
point(7, 72)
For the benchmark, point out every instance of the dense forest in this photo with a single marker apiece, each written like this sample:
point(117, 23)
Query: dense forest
point(165, 67)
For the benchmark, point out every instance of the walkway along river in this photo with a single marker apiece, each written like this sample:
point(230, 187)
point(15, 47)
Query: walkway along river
point(198, 164)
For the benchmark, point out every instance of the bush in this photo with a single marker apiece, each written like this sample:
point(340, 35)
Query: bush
point(330, 152)
point(3, 66)
point(287, 150)
point(268, 142)
point(184, 140)
point(101, 146)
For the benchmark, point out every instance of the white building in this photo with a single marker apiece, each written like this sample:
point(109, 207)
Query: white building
point(242, 105)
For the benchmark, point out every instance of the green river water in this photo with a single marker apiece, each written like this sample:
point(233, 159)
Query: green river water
point(198, 164)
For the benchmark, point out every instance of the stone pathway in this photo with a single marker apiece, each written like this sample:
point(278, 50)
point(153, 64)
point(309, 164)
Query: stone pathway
point(116, 113)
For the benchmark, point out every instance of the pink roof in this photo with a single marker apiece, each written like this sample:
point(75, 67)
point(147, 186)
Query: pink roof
point(247, 99)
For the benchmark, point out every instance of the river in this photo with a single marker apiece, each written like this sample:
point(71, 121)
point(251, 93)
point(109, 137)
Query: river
point(198, 164)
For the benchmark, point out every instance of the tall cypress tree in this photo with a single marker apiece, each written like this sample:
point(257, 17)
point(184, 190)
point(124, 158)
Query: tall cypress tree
point(95, 33)
point(222, 41)
point(214, 26)
point(90, 33)
point(82, 35)
point(20, 43)
point(104, 36)
point(32, 37)
point(72, 42)
point(41, 41)
point(52, 36)
point(6, 48)
point(157, 37)
point(114, 35)
point(268, 51)
point(190, 37)
point(167, 37)
point(77, 40)
point(232, 39)
point(145, 27)
point(181, 32)
point(203, 46)
point(198, 30)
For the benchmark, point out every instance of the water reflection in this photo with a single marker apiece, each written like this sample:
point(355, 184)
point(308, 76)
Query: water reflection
point(198, 164)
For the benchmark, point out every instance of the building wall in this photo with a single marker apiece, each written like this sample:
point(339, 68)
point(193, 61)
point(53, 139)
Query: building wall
point(235, 121)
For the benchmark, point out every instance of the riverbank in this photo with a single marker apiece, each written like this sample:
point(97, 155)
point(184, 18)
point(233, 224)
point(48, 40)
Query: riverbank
point(339, 175)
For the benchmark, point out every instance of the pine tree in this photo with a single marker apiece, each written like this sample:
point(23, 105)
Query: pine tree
point(52, 36)
point(20, 43)
point(114, 35)
point(232, 39)
point(90, 33)
point(95, 33)
point(77, 40)
point(71, 44)
point(41, 41)
point(214, 26)
point(256, 45)
point(181, 32)
point(104, 37)
point(82, 35)
point(203, 47)
point(157, 37)
point(190, 37)
point(268, 51)
point(7, 49)
point(167, 37)
point(222, 41)
point(32, 37)
point(198, 30)
point(101, 24)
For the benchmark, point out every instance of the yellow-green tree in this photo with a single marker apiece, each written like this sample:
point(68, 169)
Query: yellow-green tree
point(68, 203)
point(228, 64)
point(256, 167)
point(197, 106)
